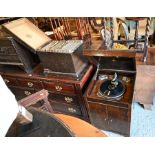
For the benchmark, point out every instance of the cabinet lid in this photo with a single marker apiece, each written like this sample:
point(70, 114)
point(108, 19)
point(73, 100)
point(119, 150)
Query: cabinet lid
point(27, 33)
point(117, 63)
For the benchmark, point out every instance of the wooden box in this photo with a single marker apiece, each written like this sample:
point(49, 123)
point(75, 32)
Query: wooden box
point(12, 53)
point(60, 57)
point(112, 114)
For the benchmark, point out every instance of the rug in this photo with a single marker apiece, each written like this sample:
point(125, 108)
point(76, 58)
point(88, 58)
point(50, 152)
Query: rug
point(142, 122)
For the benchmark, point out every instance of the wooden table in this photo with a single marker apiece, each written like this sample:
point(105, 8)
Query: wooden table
point(53, 125)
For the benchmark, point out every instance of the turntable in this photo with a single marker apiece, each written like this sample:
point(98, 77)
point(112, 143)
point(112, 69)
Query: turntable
point(109, 95)
point(111, 88)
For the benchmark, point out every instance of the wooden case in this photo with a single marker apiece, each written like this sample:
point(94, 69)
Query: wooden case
point(13, 53)
point(112, 114)
point(55, 59)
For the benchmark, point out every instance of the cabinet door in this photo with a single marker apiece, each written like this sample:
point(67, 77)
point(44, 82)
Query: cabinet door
point(98, 115)
point(119, 119)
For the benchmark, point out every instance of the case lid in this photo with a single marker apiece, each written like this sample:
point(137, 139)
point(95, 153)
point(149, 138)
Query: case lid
point(117, 63)
point(27, 33)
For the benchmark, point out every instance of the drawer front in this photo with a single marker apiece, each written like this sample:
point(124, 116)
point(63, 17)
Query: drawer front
point(10, 81)
point(68, 99)
point(21, 93)
point(59, 87)
point(30, 84)
point(64, 108)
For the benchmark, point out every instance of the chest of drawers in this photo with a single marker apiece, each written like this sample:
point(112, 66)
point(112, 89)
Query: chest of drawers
point(65, 94)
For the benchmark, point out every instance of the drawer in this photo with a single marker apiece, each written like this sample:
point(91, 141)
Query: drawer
point(65, 108)
point(59, 87)
point(21, 93)
point(30, 84)
point(68, 99)
point(10, 81)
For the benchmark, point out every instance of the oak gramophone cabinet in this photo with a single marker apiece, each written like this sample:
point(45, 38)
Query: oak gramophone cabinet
point(110, 92)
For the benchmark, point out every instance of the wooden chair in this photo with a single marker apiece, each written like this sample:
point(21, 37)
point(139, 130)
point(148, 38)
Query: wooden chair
point(83, 29)
point(61, 28)
point(33, 99)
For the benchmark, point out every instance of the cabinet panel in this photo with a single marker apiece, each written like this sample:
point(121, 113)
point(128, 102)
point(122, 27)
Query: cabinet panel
point(118, 119)
point(110, 118)
point(98, 115)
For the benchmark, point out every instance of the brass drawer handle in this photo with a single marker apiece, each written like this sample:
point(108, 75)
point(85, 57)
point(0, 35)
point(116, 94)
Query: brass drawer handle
point(27, 93)
point(72, 110)
point(30, 84)
point(6, 81)
point(68, 99)
point(58, 88)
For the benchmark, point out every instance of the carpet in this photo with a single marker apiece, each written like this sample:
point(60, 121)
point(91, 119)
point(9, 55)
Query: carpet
point(142, 122)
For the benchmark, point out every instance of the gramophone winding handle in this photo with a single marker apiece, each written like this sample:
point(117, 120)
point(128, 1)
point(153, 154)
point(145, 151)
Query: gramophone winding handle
point(114, 80)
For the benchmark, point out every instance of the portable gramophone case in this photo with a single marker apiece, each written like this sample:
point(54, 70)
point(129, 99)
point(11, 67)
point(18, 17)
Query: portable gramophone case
point(13, 53)
point(60, 57)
